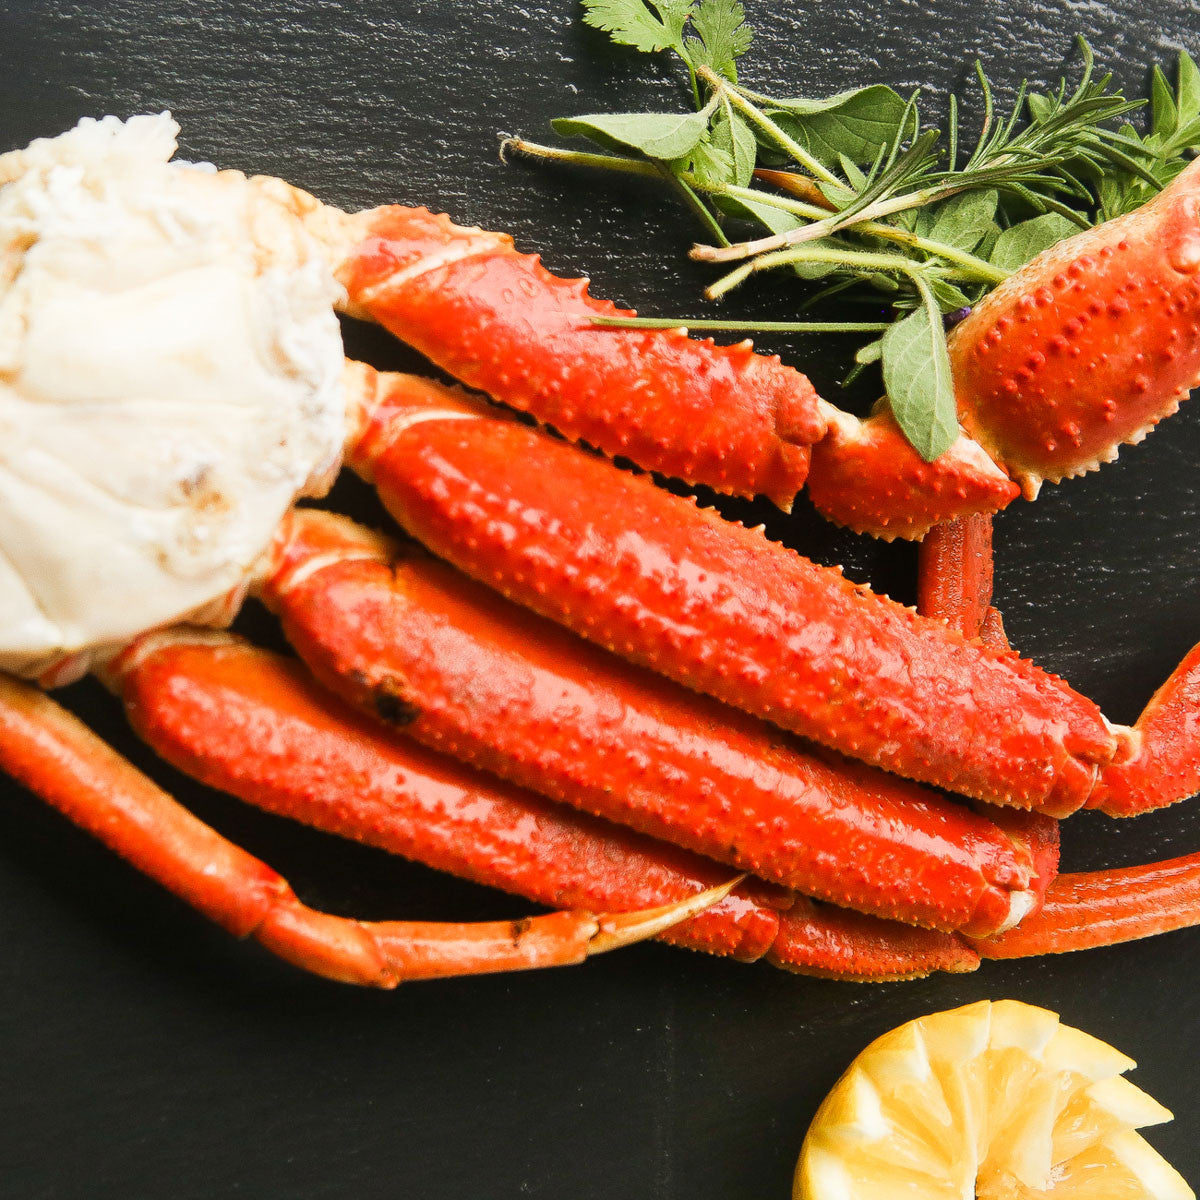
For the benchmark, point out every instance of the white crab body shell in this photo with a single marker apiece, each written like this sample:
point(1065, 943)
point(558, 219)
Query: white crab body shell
point(170, 383)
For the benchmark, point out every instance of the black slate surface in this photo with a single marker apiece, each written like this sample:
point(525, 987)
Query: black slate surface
point(144, 1054)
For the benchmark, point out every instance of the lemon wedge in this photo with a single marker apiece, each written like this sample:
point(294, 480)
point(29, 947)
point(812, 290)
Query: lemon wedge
point(994, 1101)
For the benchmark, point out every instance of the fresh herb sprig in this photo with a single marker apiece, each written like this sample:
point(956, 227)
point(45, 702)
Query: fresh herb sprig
point(855, 191)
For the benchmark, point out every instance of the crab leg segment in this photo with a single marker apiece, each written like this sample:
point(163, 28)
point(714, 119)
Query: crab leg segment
point(408, 639)
point(496, 319)
point(254, 724)
point(954, 578)
point(1088, 346)
point(718, 607)
point(1100, 908)
point(837, 943)
point(1162, 765)
point(954, 582)
point(45, 748)
point(867, 476)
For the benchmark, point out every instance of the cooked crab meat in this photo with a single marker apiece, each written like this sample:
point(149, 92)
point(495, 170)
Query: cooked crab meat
point(170, 382)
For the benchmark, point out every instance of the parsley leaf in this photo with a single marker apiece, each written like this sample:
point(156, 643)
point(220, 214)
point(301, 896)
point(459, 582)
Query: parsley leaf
point(724, 36)
point(647, 25)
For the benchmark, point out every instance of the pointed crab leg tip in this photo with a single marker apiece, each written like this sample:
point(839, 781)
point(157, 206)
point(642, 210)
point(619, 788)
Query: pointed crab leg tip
point(623, 929)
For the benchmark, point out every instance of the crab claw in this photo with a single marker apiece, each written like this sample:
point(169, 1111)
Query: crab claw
point(1089, 346)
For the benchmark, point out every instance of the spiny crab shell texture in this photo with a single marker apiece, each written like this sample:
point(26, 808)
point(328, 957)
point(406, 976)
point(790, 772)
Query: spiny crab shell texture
point(1089, 346)
point(170, 382)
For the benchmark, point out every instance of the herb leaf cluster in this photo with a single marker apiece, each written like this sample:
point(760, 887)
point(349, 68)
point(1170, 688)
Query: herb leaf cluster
point(857, 192)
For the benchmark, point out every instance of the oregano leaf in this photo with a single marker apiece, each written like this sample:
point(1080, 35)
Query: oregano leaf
point(854, 123)
point(745, 151)
point(1187, 136)
point(656, 135)
point(1023, 241)
point(777, 220)
point(854, 174)
point(1164, 114)
point(949, 297)
point(961, 221)
point(1040, 107)
point(916, 376)
point(837, 194)
point(1188, 87)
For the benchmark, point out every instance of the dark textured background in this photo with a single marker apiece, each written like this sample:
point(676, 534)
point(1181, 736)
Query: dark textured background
point(144, 1054)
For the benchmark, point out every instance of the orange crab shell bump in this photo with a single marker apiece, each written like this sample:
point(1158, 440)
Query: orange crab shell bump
point(955, 576)
point(838, 943)
point(255, 725)
point(61, 760)
point(1088, 346)
point(722, 415)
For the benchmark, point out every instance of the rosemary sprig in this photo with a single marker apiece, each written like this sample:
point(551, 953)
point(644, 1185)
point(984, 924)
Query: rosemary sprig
point(857, 192)
point(1029, 161)
point(978, 269)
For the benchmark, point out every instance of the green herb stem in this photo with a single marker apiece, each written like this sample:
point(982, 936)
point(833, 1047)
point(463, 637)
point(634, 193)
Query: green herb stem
point(825, 227)
point(980, 269)
point(972, 265)
point(977, 268)
point(769, 129)
point(718, 325)
point(698, 208)
point(884, 211)
point(800, 208)
point(579, 158)
point(861, 260)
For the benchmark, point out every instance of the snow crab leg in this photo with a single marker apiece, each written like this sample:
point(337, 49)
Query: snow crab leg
point(48, 750)
point(1089, 909)
point(407, 639)
point(1099, 908)
point(1045, 841)
point(255, 725)
point(718, 607)
point(954, 584)
point(954, 578)
point(1086, 347)
point(1083, 910)
point(672, 587)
